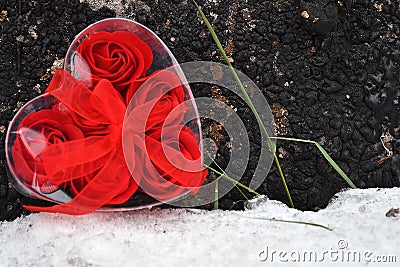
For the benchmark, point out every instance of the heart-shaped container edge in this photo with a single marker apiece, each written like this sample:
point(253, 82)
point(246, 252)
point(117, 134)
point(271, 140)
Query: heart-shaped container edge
point(45, 101)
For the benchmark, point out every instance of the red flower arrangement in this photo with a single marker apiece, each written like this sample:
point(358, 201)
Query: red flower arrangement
point(77, 145)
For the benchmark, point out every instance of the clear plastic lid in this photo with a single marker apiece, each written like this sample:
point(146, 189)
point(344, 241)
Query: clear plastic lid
point(118, 66)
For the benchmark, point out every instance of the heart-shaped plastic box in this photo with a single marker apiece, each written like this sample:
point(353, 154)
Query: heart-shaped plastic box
point(162, 59)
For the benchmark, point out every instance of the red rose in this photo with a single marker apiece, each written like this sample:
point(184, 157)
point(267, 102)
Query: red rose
point(161, 95)
point(92, 166)
point(120, 57)
point(36, 133)
point(171, 163)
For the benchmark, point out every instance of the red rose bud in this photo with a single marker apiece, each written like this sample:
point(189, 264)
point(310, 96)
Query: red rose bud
point(171, 163)
point(36, 133)
point(156, 98)
point(120, 57)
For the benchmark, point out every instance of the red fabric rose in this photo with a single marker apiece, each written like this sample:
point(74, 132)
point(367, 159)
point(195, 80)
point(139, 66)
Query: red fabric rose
point(93, 166)
point(120, 57)
point(161, 95)
point(175, 155)
point(37, 132)
point(168, 159)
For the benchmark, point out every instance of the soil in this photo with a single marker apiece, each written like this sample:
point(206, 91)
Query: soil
point(328, 69)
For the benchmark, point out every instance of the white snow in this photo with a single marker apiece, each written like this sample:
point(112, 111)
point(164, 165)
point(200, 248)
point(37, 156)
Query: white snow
point(182, 237)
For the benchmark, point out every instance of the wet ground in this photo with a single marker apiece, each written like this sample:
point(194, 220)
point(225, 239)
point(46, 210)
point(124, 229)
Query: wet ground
point(328, 69)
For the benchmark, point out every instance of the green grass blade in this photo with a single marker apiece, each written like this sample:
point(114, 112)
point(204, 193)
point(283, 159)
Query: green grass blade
point(222, 171)
point(278, 165)
point(216, 196)
point(241, 192)
point(271, 144)
point(237, 79)
point(295, 222)
point(232, 180)
point(326, 156)
point(335, 166)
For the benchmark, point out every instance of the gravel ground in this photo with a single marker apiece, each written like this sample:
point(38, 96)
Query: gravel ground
point(328, 70)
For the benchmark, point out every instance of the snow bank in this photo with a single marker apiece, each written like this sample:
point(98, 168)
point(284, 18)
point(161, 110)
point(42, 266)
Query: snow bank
point(361, 236)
